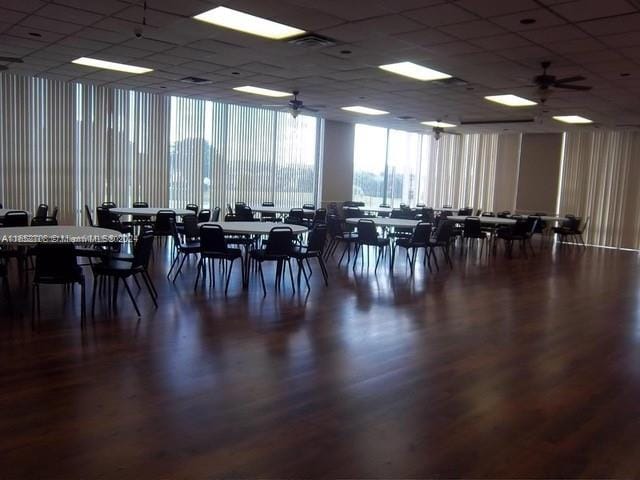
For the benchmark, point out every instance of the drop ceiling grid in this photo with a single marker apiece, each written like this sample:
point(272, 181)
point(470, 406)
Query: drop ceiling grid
point(482, 42)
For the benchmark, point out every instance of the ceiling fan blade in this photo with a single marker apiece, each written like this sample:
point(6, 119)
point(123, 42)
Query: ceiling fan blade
point(11, 59)
point(280, 105)
point(577, 78)
point(309, 109)
point(582, 88)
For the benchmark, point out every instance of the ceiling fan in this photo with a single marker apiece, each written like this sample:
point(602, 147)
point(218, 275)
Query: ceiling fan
point(294, 105)
point(546, 82)
point(438, 131)
point(9, 60)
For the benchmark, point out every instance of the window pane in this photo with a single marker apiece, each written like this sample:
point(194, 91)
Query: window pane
point(370, 150)
point(295, 172)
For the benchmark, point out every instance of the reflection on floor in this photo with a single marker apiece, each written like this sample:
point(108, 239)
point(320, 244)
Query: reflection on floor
point(498, 368)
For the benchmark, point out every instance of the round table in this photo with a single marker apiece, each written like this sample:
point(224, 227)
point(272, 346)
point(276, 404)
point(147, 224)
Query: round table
point(386, 222)
point(485, 220)
point(58, 234)
point(149, 212)
point(275, 210)
point(255, 228)
point(377, 210)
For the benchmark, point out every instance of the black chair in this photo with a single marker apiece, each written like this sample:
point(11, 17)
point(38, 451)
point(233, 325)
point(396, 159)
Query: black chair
point(368, 237)
point(419, 238)
point(570, 228)
point(204, 215)
point(238, 207)
point(119, 269)
point(319, 217)
point(109, 205)
point(16, 218)
point(40, 217)
point(313, 249)
point(109, 220)
point(193, 207)
point(295, 217)
point(465, 212)
point(53, 218)
point(87, 212)
point(215, 215)
point(520, 232)
point(338, 236)
point(213, 246)
point(244, 214)
point(139, 219)
point(279, 249)
point(188, 247)
point(268, 217)
point(473, 231)
point(308, 209)
point(162, 225)
point(56, 264)
point(426, 215)
point(442, 240)
point(401, 232)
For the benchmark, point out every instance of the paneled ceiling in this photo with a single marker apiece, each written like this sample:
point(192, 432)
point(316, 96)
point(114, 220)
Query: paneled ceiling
point(482, 42)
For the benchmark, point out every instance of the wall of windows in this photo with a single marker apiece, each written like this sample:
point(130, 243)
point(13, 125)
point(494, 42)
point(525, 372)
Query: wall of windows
point(223, 153)
point(395, 167)
point(71, 144)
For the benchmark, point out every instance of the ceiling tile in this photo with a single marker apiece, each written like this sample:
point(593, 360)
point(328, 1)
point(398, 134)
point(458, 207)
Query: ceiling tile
point(50, 25)
point(426, 37)
point(629, 39)
point(554, 34)
point(543, 18)
point(104, 7)
point(580, 10)
point(618, 24)
point(23, 5)
point(493, 8)
point(73, 15)
point(444, 14)
point(498, 42)
point(474, 29)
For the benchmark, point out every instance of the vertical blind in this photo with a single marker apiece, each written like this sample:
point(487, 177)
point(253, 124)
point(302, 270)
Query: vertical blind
point(228, 153)
point(394, 167)
point(71, 144)
point(598, 182)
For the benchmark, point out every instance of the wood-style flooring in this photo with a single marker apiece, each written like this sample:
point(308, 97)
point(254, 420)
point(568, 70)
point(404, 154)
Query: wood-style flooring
point(507, 368)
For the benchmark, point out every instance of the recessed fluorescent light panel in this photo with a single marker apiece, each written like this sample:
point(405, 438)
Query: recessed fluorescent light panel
point(244, 22)
point(119, 67)
point(262, 91)
point(364, 110)
point(413, 70)
point(438, 124)
point(511, 100)
point(575, 119)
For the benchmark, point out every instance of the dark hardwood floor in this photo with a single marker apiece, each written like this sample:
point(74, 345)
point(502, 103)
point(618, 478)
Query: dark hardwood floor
point(501, 368)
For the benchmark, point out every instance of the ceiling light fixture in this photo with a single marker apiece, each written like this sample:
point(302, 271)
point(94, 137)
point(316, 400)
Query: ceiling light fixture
point(438, 124)
point(510, 100)
point(244, 22)
point(413, 70)
point(119, 67)
point(364, 110)
point(574, 119)
point(262, 91)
